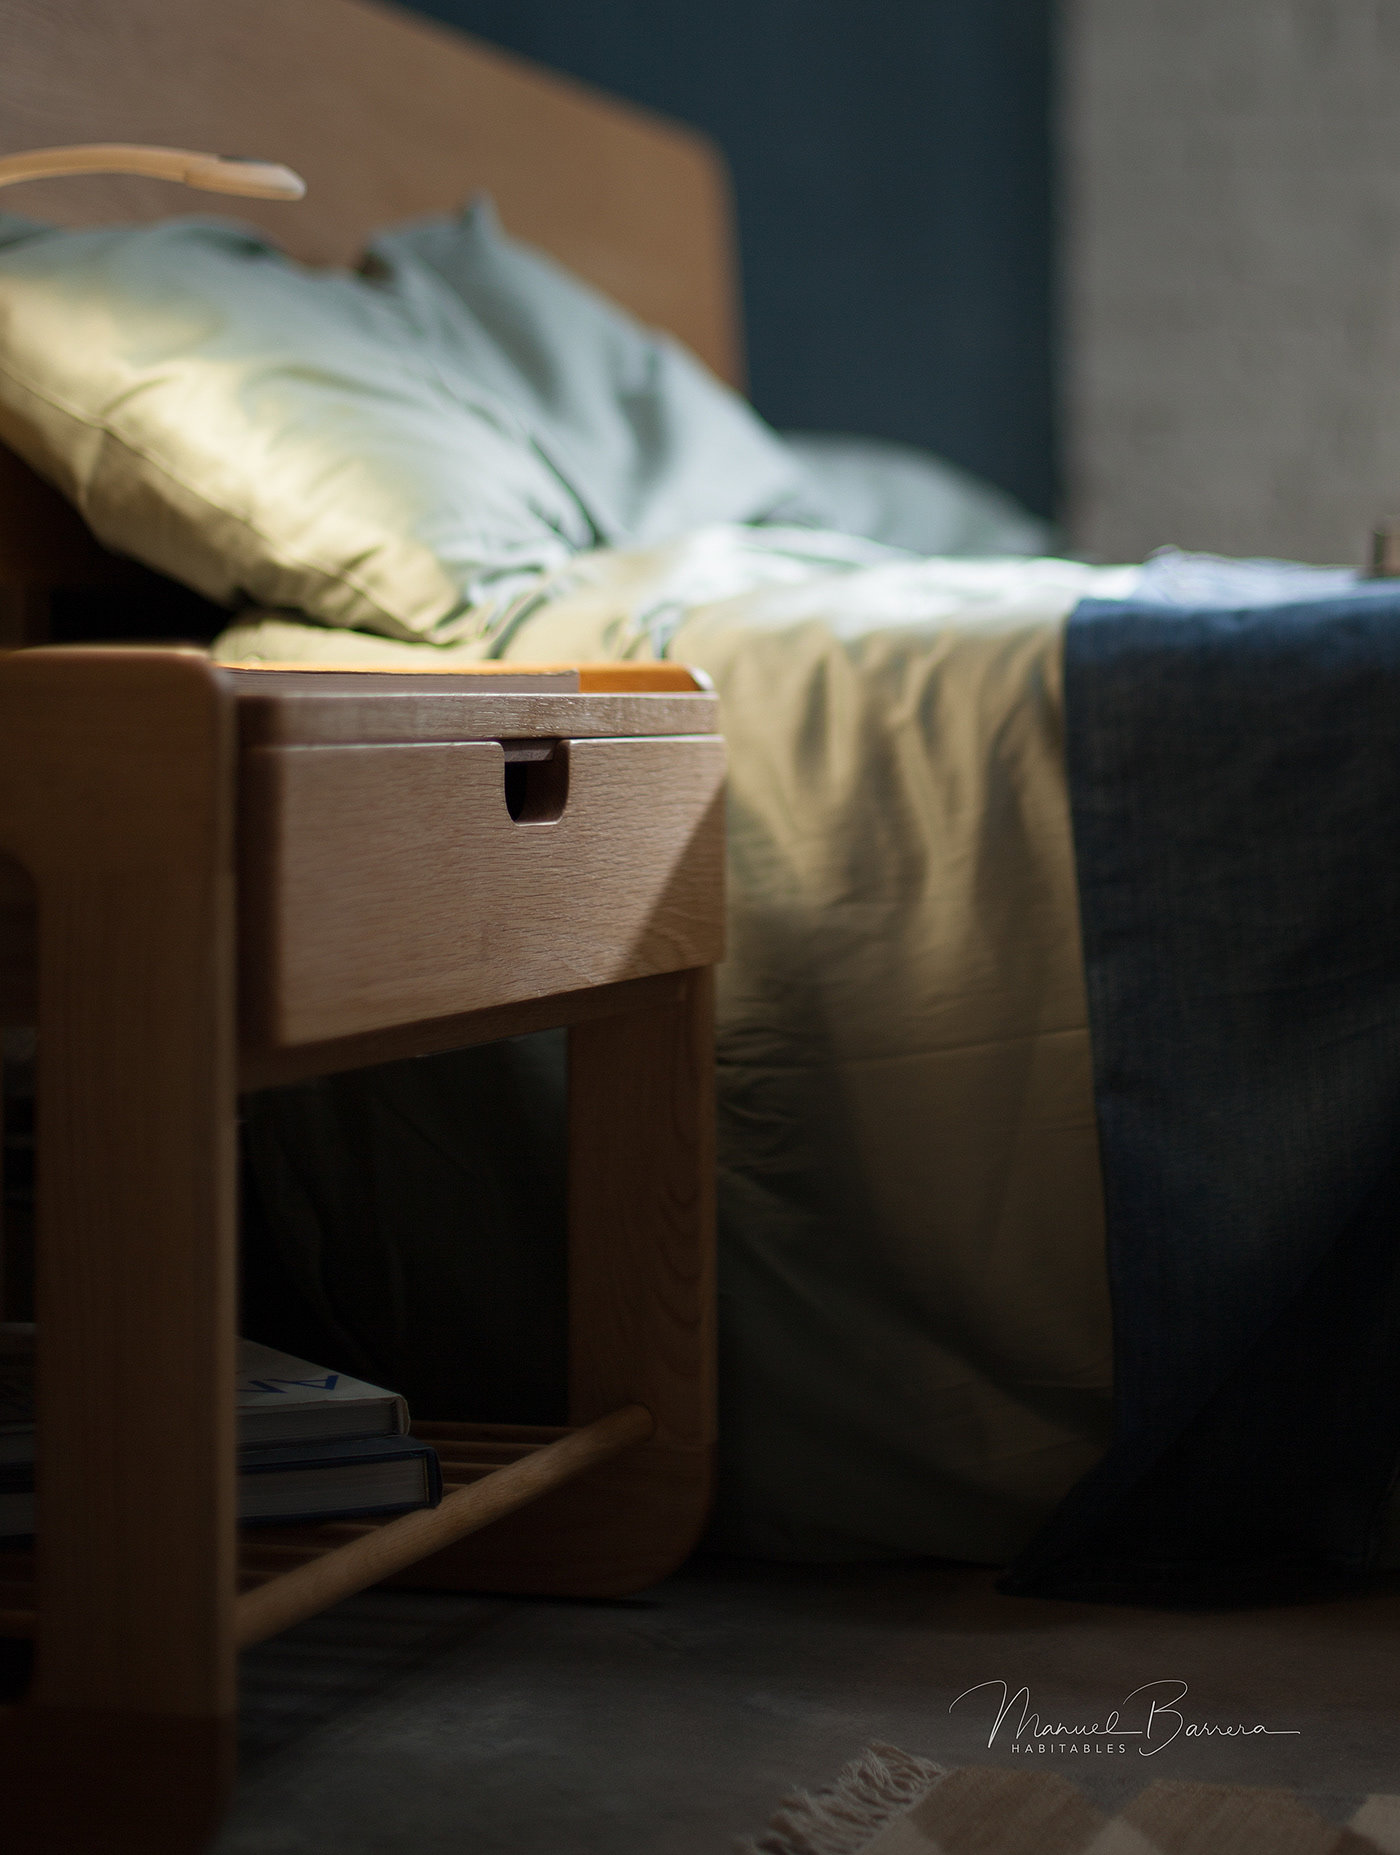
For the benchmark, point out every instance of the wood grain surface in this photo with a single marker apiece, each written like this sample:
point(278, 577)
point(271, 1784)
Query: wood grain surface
point(116, 795)
point(383, 885)
point(261, 1066)
point(301, 712)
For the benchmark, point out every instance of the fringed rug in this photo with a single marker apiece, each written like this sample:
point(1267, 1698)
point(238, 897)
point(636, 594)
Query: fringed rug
point(887, 1802)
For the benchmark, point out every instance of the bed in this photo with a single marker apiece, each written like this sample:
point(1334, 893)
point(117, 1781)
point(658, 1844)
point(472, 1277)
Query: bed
point(917, 1332)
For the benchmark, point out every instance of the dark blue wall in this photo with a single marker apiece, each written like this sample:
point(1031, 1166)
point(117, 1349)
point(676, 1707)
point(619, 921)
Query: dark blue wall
point(892, 173)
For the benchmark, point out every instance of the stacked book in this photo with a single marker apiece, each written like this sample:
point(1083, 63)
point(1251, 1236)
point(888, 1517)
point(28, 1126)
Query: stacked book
point(313, 1444)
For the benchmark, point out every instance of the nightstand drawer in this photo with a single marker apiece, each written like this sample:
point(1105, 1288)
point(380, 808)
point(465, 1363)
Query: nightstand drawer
point(397, 883)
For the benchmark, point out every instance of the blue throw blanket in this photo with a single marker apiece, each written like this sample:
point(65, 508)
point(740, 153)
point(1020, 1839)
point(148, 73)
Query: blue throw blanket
point(1234, 771)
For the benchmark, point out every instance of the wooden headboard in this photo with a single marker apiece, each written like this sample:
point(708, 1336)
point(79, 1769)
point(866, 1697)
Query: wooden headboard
point(386, 115)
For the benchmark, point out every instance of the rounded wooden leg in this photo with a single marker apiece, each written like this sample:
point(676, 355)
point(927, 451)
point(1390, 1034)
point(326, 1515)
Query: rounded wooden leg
point(117, 796)
point(641, 1314)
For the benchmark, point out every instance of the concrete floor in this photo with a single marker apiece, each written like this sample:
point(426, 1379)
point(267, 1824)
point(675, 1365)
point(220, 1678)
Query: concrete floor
point(672, 1723)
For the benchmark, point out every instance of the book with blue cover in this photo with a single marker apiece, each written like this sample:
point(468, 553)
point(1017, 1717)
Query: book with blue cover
point(286, 1484)
point(314, 1444)
point(281, 1399)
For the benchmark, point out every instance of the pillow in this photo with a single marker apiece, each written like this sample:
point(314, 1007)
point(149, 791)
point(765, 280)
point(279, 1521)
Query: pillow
point(909, 498)
point(270, 433)
point(651, 443)
point(405, 450)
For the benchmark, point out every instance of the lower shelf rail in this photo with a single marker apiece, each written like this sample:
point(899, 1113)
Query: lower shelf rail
point(287, 1574)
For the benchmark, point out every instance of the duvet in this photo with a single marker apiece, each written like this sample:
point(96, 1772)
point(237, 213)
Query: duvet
point(918, 1336)
point(914, 1308)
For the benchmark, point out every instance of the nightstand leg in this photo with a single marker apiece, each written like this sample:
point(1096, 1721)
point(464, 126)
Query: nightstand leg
point(641, 1312)
point(116, 792)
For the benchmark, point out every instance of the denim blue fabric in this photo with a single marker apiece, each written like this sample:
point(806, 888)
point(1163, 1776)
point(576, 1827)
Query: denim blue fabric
point(1235, 789)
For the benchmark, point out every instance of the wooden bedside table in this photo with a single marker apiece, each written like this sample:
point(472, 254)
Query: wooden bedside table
point(228, 879)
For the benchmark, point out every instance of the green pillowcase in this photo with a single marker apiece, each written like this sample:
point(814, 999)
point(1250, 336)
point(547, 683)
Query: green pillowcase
point(270, 433)
point(402, 451)
point(651, 443)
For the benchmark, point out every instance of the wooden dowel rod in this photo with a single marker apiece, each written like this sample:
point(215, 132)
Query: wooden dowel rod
point(398, 1543)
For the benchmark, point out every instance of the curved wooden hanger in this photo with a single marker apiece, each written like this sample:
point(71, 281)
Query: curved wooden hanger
point(259, 180)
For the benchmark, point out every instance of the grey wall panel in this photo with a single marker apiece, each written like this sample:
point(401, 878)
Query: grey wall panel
point(1231, 267)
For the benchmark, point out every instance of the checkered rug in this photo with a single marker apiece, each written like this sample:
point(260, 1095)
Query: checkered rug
point(887, 1802)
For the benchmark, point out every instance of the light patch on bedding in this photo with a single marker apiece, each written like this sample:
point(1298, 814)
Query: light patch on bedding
point(612, 603)
point(918, 1327)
